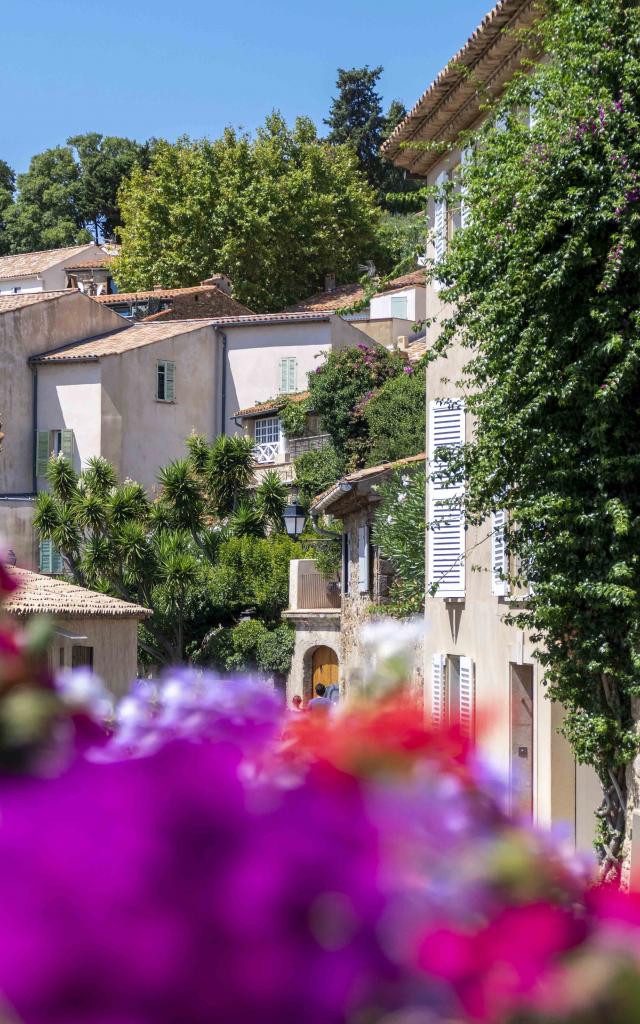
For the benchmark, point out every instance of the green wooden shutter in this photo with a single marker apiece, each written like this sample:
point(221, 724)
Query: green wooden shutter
point(292, 375)
point(283, 376)
point(46, 556)
point(42, 452)
point(57, 564)
point(287, 375)
point(170, 382)
point(67, 445)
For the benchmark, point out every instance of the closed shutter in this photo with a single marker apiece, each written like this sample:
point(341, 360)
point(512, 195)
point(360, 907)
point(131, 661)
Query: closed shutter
point(467, 156)
point(57, 564)
point(345, 563)
point(363, 559)
point(446, 570)
point(467, 711)
point(440, 221)
point(170, 382)
point(43, 451)
point(46, 557)
point(66, 446)
point(439, 710)
point(288, 375)
point(499, 566)
point(399, 307)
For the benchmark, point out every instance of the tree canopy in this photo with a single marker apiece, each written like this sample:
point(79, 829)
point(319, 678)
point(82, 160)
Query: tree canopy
point(546, 294)
point(276, 212)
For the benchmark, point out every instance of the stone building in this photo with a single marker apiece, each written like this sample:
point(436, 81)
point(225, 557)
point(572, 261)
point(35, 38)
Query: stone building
point(328, 615)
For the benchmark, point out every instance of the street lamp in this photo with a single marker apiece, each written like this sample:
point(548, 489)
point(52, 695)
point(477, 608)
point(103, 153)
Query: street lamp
point(295, 519)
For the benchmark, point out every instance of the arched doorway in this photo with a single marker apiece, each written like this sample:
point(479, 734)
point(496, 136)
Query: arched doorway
point(324, 668)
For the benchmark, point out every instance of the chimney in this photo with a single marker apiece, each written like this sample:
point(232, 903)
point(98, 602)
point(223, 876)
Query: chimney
point(330, 283)
point(401, 343)
point(220, 281)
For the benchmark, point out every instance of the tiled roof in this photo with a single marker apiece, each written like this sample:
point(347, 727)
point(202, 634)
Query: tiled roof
point(9, 301)
point(273, 405)
point(327, 497)
point(452, 103)
point(26, 264)
point(91, 264)
point(152, 293)
point(350, 294)
point(44, 595)
point(117, 342)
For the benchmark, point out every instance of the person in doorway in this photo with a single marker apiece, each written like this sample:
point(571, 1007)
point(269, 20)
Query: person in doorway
point(296, 703)
point(320, 702)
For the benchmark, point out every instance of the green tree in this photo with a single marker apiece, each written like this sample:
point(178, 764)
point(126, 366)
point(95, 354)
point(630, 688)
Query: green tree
point(396, 417)
point(356, 119)
point(546, 294)
point(399, 531)
point(47, 212)
point(339, 391)
point(275, 212)
point(103, 163)
point(7, 192)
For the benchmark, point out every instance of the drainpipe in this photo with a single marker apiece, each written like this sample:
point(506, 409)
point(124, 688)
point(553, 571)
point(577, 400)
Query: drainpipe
point(223, 389)
point(34, 425)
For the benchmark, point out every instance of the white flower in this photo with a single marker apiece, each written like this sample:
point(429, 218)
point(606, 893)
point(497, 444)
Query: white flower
point(402, 497)
point(81, 688)
point(406, 480)
point(389, 520)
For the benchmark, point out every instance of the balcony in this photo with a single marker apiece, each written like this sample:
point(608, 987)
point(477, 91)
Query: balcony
point(310, 592)
point(267, 453)
point(300, 445)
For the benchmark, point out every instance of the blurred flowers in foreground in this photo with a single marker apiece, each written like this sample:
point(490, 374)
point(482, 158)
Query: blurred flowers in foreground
point(214, 860)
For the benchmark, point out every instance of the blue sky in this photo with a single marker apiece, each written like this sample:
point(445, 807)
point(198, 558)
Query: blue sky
point(164, 67)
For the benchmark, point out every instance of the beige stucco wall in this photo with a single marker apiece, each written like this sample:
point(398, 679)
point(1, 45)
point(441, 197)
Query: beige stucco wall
point(53, 279)
point(16, 530)
point(385, 332)
point(313, 630)
point(69, 395)
point(23, 333)
point(416, 304)
point(114, 643)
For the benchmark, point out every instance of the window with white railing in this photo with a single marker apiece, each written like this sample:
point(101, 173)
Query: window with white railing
point(267, 436)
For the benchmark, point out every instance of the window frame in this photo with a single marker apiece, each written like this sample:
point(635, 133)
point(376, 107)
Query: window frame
point(161, 368)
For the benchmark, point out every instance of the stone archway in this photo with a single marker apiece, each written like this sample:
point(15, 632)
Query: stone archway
point(321, 665)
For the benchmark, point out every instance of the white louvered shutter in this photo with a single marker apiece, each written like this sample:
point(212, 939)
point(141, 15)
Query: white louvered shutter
point(43, 451)
point(440, 221)
point(499, 565)
point(66, 445)
point(467, 710)
point(467, 156)
point(446, 569)
point(170, 382)
point(363, 559)
point(439, 710)
point(46, 556)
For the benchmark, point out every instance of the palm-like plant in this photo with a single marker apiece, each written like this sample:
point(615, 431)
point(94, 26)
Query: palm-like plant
point(228, 472)
point(271, 500)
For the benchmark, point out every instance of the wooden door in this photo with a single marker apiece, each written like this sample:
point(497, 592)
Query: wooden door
point(324, 668)
point(522, 739)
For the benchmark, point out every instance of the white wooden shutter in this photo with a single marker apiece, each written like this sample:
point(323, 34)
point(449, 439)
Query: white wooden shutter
point(467, 709)
point(170, 382)
point(399, 306)
point(446, 569)
point(440, 221)
point(439, 709)
point(345, 563)
point(45, 560)
point(43, 451)
point(66, 445)
point(499, 565)
point(363, 559)
point(467, 156)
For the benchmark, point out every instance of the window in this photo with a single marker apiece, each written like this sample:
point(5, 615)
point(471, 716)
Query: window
point(453, 693)
point(50, 560)
point(81, 657)
point(268, 430)
point(499, 556)
point(61, 657)
point(165, 381)
point(399, 307)
point(57, 442)
point(288, 367)
point(441, 220)
point(364, 560)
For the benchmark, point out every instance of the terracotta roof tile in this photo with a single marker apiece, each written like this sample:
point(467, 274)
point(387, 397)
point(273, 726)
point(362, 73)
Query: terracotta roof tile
point(92, 264)
point(452, 103)
point(327, 497)
point(350, 294)
point(18, 301)
point(117, 342)
point(44, 595)
point(27, 263)
point(273, 405)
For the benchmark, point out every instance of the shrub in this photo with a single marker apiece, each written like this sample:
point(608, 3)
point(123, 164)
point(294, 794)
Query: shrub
point(396, 417)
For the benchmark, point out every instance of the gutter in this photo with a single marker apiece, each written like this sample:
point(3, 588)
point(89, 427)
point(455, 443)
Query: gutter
point(34, 427)
point(223, 385)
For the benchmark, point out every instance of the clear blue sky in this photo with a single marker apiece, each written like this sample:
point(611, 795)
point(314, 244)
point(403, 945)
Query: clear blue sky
point(166, 67)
